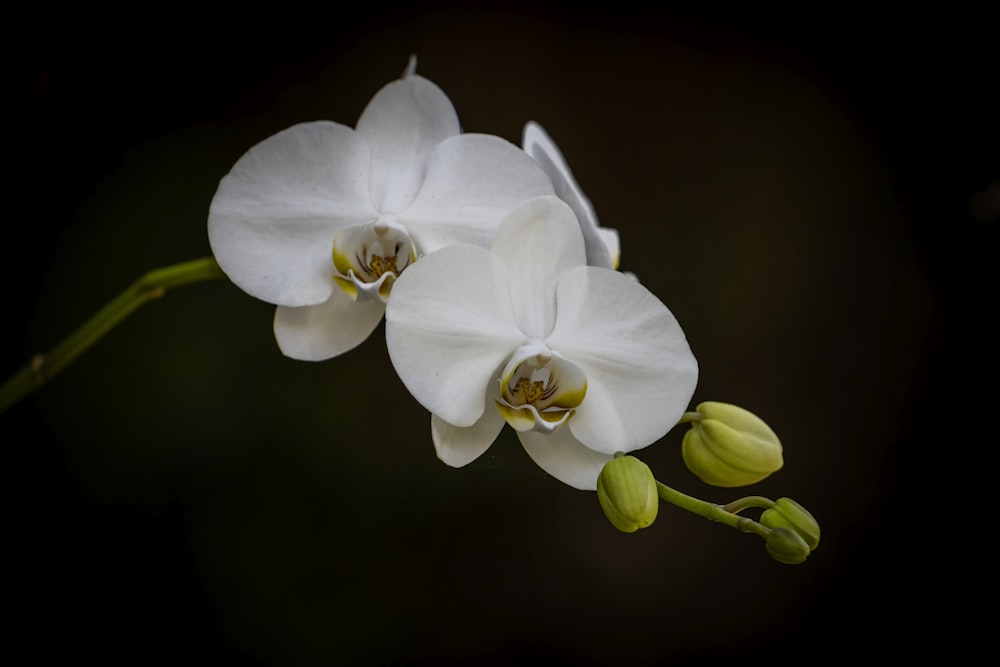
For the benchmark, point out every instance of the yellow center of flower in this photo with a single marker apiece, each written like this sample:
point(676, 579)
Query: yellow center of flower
point(369, 257)
point(529, 391)
point(379, 264)
point(540, 389)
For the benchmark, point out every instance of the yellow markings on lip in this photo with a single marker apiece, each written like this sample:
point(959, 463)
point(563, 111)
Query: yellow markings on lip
point(368, 258)
point(340, 261)
point(540, 389)
point(528, 418)
point(350, 289)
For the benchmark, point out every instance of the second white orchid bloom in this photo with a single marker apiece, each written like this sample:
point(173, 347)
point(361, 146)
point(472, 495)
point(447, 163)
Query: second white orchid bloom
point(320, 219)
point(582, 361)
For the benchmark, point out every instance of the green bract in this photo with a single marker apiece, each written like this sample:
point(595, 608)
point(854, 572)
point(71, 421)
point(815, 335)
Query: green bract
point(730, 446)
point(626, 489)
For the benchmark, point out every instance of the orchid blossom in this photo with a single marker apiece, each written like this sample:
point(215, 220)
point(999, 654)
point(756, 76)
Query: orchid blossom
point(581, 361)
point(321, 219)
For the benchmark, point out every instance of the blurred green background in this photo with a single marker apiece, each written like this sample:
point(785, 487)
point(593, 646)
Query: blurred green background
point(802, 187)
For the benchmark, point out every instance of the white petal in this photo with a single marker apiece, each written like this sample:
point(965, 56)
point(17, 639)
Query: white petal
point(315, 333)
point(458, 446)
point(473, 181)
point(640, 371)
point(565, 458)
point(613, 243)
point(538, 242)
point(403, 123)
point(539, 145)
point(272, 220)
point(449, 329)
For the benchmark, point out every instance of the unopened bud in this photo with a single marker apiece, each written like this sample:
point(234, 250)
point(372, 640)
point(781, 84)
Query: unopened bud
point(787, 546)
point(626, 490)
point(787, 513)
point(730, 446)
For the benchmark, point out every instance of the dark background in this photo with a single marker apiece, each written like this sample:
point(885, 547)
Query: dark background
point(807, 189)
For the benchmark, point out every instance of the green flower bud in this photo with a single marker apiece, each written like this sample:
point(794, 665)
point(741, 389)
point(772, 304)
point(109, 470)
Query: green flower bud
point(626, 489)
point(730, 446)
point(787, 513)
point(787, 546)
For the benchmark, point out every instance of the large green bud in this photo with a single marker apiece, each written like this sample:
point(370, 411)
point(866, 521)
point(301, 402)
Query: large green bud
point(626, 489)
point(787, 513)
point(730, 446)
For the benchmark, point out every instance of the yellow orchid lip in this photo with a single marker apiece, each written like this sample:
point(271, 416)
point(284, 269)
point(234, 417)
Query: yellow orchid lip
point(540, 389)
point(369, 257)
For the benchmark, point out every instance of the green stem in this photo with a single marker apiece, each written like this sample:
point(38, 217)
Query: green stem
point(693, 416)
point(710, 511)
point(152, 285)
point(741, 504)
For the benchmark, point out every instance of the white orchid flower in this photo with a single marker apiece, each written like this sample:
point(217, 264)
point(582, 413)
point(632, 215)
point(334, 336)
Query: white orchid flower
point(602, 243)
point(320, 219)
point(582, 361)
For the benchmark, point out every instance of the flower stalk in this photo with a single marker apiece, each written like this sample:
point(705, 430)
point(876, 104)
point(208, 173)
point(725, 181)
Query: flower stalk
point(789, 531)
point(711, 511)
point(152, 285)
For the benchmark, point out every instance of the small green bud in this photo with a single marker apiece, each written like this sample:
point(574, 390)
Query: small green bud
point(787, 513)
point(730, 446)
point(787, 546)
point(626, 489)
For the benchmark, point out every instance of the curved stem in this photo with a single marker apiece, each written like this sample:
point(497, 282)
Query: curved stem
point(710, 511)
point(741, 504)
point(152, 285)
point(693, 416)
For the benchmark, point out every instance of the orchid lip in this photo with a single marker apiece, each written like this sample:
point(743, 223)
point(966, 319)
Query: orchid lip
point(368, 257)
point(540, 389)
